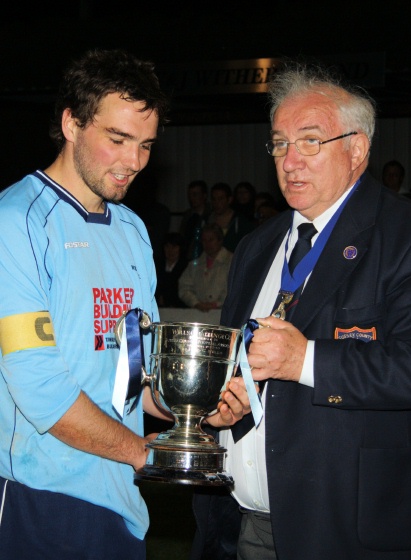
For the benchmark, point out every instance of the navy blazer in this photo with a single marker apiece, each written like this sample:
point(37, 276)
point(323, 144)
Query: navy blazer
point(339, 454)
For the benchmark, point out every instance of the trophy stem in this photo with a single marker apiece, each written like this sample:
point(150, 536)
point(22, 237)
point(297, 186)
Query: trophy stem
point(186, 433)
point(190, 425)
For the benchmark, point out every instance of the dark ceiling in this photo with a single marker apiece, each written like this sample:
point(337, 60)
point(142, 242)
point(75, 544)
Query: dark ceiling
point(39, 38)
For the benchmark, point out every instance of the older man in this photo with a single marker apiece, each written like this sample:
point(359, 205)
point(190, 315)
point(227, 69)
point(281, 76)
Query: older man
point(327, 473)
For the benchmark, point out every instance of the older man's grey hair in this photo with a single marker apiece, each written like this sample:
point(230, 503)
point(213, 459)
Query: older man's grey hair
point(357, 108)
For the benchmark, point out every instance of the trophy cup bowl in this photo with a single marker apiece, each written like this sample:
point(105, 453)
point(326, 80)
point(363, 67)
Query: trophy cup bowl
point(190, 364)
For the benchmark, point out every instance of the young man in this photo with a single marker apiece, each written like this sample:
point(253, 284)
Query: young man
point(72, 261)
point(393, 174)
point(326, 474)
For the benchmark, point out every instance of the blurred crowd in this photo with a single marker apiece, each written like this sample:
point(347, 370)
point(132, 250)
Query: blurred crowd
point(193, 265)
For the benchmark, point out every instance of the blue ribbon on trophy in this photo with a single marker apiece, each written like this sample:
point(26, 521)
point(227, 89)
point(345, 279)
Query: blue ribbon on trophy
point(255, 401)
point(127, 383)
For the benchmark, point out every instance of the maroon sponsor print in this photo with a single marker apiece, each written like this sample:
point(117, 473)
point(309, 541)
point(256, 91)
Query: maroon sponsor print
point(109, 304)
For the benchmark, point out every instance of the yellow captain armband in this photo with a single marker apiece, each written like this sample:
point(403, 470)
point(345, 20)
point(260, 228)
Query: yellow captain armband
point(26, 330)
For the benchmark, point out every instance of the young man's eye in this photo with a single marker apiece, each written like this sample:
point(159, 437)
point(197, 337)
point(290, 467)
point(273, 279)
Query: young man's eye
point(117, 142)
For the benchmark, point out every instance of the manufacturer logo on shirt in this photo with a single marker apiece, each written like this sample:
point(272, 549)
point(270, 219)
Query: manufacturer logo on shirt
point(76, 245)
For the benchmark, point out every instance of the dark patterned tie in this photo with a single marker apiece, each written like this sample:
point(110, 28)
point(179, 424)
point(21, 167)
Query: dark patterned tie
point(305, 232)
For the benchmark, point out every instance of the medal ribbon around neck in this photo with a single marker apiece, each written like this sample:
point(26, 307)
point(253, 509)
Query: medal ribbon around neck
point(290, 283)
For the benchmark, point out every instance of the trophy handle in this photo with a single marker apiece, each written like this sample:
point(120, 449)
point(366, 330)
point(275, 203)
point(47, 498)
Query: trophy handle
point(145, 323)
point(145, 377)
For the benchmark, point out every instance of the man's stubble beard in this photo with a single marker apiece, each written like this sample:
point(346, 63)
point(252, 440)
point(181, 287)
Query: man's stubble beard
point(91, 179)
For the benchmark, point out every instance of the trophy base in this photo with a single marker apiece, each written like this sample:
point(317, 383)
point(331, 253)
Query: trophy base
point(176, 476)
point(190, 466)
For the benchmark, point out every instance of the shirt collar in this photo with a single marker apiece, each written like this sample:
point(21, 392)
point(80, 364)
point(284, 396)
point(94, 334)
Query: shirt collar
point(322, 220)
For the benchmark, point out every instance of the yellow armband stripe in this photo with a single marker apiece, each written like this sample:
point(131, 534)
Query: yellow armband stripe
point(26, 330)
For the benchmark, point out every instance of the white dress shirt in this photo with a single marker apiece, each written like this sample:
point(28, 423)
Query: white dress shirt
point(246, 458)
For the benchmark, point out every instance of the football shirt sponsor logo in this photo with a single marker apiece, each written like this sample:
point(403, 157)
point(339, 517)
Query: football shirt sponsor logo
point(109, 304)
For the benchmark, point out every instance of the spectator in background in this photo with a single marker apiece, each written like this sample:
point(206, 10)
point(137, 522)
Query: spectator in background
point(264, 207)
point(233, 224)
point(243, 199)
point(169, 269)
point(393, 174)
point(194, 218)
point(203, 284)
point(266, 210)
point(260, 198)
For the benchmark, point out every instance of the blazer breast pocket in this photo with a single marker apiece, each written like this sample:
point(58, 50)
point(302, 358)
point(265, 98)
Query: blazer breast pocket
point(362, 323)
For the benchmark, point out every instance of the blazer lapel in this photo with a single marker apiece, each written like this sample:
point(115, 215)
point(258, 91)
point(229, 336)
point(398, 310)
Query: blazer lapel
point(337, 261)
point(257, 264)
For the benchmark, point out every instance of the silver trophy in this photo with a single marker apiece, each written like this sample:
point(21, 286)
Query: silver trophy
point(190, 364)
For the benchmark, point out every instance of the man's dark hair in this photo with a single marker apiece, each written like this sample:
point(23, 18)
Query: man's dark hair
point(394, 163)
point(101, 72)
point(225, 187)
point(199, 183)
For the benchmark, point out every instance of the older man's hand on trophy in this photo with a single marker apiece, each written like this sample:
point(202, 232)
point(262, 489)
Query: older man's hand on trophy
point(233, 405)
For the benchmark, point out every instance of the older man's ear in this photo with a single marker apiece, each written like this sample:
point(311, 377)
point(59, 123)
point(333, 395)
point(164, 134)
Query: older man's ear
point(360, 149)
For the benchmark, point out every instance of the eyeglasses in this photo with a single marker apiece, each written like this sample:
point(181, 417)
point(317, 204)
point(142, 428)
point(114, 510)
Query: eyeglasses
point(305, 146)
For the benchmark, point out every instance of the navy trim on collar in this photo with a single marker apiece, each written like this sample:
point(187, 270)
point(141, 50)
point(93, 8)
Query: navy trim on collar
point(90, 217)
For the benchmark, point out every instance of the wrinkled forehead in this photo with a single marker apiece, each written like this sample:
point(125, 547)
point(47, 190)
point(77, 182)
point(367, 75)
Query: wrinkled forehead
point(308, 112)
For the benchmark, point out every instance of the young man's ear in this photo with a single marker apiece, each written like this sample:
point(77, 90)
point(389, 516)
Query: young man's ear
point(68, 125)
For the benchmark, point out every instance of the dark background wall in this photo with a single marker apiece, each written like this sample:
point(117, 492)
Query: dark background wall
point(37, 39)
